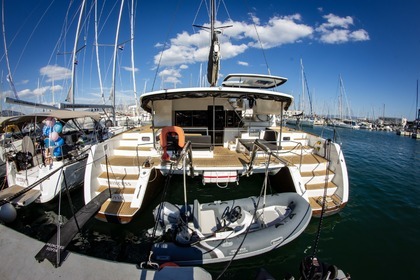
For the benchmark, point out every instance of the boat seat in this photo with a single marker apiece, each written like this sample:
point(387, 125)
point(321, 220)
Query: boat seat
point(247, 143)
point(207, 221)
point(270, 140)
point(199, 142)
point(204, 220)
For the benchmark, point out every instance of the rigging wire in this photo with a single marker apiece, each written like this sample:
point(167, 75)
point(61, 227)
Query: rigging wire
point(259, 39)
point(164, 46)
point(263, 193)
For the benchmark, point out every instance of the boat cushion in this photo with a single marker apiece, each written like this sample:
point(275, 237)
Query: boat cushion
point(207, 221)
point(199, 142)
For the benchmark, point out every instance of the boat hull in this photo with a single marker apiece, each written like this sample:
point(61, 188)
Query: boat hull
point(49, 181)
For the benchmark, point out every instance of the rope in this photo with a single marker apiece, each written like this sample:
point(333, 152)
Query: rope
point(165, 190)
point(149, 263)
point(58, 222)
point(263, 190)
point(318, 234)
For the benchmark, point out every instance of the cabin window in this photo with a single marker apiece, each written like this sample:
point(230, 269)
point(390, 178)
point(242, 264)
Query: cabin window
point(233, 118)
point(191, 118)
point(196, 118)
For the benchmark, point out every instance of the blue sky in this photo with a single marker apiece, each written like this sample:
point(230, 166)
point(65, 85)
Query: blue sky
point(374, 46)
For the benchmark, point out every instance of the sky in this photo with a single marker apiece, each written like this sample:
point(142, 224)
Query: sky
point(371, 46)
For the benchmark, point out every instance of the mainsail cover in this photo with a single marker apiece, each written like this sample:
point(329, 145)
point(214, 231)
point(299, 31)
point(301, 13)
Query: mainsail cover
point(214, 60)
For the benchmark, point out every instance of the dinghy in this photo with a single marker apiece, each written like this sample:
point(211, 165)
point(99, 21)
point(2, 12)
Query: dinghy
point(219, 231)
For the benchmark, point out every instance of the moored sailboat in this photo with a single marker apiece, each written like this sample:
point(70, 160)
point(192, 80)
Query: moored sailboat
point(50, 160)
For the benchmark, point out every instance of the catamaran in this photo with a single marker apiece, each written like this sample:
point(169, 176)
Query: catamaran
point(223, 134)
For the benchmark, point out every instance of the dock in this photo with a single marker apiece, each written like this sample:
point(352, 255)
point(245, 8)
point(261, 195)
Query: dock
point(18, 261)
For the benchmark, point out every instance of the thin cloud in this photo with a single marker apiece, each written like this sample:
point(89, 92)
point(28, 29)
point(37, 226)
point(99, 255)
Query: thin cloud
point(41, 90)
point(25, 92)
point(243, 63)
point(337, 30)
point(171, 75)
point(55, 73)
point(130, 69)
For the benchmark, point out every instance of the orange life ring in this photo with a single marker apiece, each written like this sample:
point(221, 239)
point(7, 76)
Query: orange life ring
point(164, 139)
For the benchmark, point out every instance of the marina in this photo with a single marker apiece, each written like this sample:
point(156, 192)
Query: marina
point(354, 239)
point(220, 180)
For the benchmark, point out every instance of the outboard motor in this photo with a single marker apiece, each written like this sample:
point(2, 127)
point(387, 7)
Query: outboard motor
point(169, 214)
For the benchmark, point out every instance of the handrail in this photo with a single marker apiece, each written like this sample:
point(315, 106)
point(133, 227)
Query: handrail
point(298, 144)
point(186, 150)
point(257, 144)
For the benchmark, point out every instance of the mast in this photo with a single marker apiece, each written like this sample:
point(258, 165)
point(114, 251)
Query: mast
point(6, 54)
point(112, 95)
point(340, 100)
point(97, 53)
point(305, 83)
point(302, 102)
point(70, 95)
point(417, 102)
point(214, 54)
point(132, 57)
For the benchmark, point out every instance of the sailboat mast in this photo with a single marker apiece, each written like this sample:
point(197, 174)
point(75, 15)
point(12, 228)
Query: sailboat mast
point(112, 95)
point(6, 54)
point(340, 100)
point(97, 53)
point(132, 57)
point(214, 54)
point(302, 101)
point(70, 96)
point(417, 103)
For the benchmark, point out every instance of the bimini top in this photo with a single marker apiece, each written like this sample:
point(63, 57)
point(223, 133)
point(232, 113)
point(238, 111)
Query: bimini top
point(230, 89)
point(253, 81)
point(58, 114)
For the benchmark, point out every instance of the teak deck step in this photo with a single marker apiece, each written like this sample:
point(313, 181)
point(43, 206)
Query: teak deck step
point(127, 160)
point(317, 173)
point(320, 186)
point(331, 202)
point(118, 190)
point(306, 159)
point(116, 176)
point(133, 148)
point(117, 208)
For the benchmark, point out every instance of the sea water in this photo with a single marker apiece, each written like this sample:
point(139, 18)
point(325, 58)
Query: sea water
point(376, 236)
